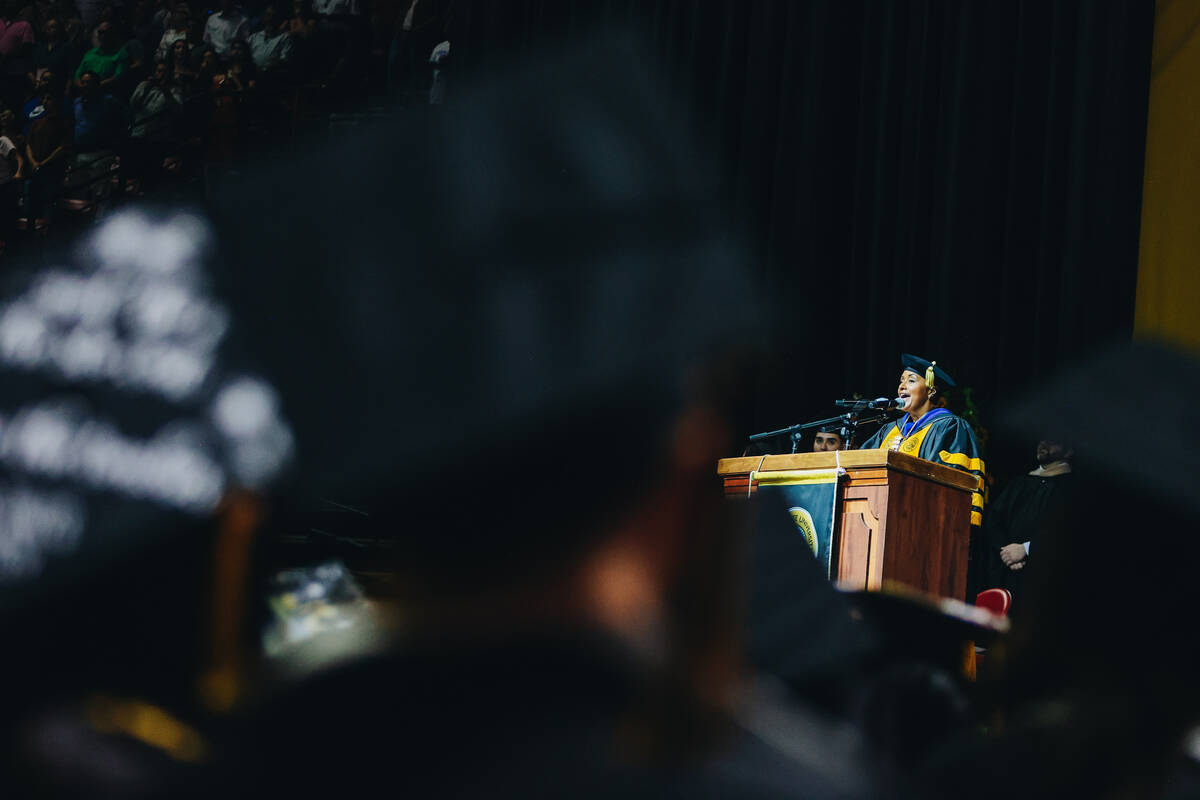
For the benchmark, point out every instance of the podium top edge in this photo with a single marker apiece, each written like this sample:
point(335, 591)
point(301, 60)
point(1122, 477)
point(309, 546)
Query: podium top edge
point(851, 460)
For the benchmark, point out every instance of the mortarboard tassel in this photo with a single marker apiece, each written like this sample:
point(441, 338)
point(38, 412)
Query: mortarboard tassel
point(929, 374)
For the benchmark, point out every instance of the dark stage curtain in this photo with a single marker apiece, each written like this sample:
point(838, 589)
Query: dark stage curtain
point(956, 179)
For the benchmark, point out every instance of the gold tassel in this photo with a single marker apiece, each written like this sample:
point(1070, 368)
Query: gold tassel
point(929, 374)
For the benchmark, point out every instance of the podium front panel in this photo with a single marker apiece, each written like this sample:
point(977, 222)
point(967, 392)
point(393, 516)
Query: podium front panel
point(899, 518)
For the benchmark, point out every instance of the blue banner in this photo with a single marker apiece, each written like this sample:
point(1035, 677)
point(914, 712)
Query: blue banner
point(811, 500)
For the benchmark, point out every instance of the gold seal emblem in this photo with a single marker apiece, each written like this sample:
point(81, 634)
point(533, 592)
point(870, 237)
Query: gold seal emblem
point(804, 522)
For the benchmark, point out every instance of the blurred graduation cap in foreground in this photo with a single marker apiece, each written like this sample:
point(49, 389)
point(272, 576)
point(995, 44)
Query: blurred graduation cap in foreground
point(1099, 686)
point(1113, 580)
point(130, 426)
point(499, 303)
point(127, 419)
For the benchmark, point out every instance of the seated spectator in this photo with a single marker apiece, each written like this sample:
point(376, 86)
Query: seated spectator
point(302, 25)
point(12, 169)
point(16, 34)
point(209, 71)
point(271, 48)
point(162, 13)
point(47, 149)
point(137, 61)
point(143, 29)
point(99, 123)
point(108, 61)
point(153, 106)
point(241, 66)
point(195, 40)
point(53, 53)
point(179, 63)
point(47, 83)
point(75, 35)
point(224, 28)
point(106, 14)
point(16, 53)
point(99, 132)
point(177, 30)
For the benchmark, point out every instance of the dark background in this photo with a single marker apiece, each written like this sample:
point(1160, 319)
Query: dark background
point(960, 180)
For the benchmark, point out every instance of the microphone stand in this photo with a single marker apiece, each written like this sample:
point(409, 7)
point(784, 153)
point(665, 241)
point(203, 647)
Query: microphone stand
point(850, 422)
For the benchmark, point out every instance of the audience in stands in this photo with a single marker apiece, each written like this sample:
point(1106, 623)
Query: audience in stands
point(138, 83)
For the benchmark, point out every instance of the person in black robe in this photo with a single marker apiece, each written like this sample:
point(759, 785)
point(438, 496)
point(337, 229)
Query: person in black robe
point(1023, 512)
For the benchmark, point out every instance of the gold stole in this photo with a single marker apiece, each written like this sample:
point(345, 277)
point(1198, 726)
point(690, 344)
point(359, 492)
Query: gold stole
point(910, 446)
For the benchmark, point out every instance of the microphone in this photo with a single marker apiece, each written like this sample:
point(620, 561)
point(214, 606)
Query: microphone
point(878, 403)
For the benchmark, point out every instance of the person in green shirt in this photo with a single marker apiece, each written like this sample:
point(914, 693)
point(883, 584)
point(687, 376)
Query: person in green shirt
point(109, 61)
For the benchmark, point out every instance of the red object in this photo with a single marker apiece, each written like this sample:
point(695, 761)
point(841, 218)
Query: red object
point(997, 601)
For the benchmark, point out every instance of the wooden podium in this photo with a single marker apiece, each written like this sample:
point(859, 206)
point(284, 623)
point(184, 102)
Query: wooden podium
point(899, 518)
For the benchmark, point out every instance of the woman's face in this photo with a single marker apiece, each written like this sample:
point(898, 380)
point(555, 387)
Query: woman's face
point(916, 394)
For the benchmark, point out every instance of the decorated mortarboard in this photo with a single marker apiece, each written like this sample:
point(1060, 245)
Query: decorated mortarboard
point(495, 304)
point(933, 374)
point(129, 416)
point(124, 406)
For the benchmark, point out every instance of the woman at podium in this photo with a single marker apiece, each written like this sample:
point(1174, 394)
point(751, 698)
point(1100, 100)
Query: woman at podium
point(927, 429)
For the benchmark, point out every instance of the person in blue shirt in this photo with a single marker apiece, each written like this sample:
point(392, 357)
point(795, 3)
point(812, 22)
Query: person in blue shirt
point(99, 121)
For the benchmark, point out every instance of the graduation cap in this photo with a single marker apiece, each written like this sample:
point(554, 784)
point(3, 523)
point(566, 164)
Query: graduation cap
point(128, 417)
point(488, 320)
point(932, 372)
